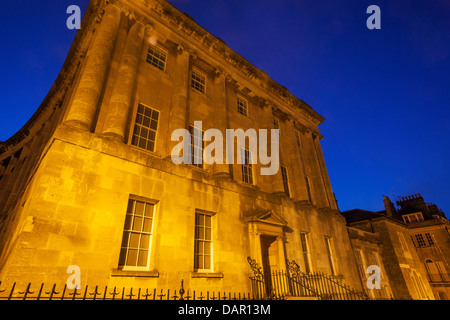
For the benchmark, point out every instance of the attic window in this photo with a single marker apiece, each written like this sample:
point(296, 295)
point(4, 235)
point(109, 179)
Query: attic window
point(412, 218)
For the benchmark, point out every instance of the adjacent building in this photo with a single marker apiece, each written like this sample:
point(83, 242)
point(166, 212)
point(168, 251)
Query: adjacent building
point(412, 243)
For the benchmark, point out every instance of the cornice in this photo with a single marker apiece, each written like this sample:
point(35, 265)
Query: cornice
point(55, 96)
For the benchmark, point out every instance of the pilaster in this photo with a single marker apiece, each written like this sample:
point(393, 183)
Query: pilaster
point(83, 109)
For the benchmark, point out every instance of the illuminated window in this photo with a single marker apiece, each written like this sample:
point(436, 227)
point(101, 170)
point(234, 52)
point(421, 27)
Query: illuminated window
point(414, 217)
point(247, 170)
point(329, 246)
point(137, 234)
point(145, 128)
point(429, 239)
point(198, 81)
point(157, 57)
point(284, 175)
point(197, 146)
point(242, 106)
point(420, 240)
point(305, 250)
point(203, 241)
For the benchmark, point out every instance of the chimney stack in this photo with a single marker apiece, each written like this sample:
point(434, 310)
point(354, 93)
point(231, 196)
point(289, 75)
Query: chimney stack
point(389, 206)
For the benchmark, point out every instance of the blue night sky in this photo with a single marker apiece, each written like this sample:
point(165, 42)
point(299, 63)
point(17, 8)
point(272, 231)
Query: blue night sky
point(384, 93)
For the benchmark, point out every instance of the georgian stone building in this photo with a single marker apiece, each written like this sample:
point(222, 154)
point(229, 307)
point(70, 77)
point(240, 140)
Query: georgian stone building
point(89, 180)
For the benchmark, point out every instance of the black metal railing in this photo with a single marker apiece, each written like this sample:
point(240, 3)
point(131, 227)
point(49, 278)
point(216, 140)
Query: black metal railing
point(282, 284)
point(53, 292)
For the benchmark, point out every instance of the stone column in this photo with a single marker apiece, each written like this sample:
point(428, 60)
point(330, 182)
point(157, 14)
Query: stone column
point(87, 94)
point(324, 173)
point(297, 167)
point(222, 121)
point(277, 179)
point(179, 116)
point(121, 97)
point(321, 193)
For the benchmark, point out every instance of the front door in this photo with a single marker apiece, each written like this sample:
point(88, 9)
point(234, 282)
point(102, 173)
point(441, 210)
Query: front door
point(270, 257)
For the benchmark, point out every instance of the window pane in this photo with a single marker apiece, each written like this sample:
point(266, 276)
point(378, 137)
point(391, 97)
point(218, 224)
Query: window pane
point(207, 262)
point(200, 261)
point(207, 221)
point(139, 118)
point(142, 143)
point(132, 257)
point(137, 223)
point(147, 225)
point(143, 256)
point(199, 247)
point(145, 241)
point(148, 112)
point(201, 233)
point(149, 210)
point(139, 208)
point(207, 248)
point(134, 240)
point(146, 122)
point(207, 234)
point(152, 135)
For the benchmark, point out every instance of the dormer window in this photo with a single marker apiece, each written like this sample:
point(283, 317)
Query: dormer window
point(414, 217)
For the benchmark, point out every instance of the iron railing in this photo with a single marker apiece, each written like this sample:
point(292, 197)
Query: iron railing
point(294, 283)
point(52, 292)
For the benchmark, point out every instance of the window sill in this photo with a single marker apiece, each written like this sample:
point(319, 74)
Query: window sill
point(206, 274)
point(135, 273)
point(152, 153)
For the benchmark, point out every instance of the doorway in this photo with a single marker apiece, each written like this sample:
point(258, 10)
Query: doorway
point(270, 259)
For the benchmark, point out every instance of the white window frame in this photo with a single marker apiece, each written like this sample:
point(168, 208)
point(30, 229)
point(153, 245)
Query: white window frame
point(242, 103)
point(141, 125)
point(306, 254)
point(155, 49)
point(130, 230)
point(248, 165)
point(198, 74)
point(210, 241)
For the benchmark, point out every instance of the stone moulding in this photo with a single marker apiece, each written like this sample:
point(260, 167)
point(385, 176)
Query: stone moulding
point(214, 44)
